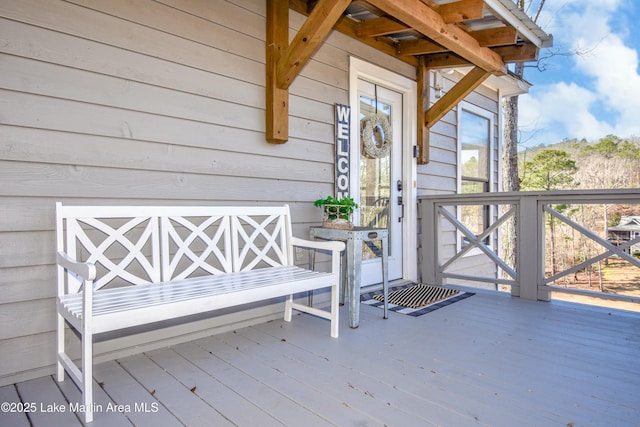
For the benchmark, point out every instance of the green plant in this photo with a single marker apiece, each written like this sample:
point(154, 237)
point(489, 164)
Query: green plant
point(337, 208)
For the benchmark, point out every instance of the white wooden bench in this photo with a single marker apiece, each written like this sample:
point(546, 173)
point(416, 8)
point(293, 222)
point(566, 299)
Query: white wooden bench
point(126, 266)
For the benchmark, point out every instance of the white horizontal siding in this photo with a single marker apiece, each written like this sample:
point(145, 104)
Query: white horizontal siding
point(156, 102)
point(146, 102)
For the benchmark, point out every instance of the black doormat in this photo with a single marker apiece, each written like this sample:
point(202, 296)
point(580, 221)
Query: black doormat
point(415, 299)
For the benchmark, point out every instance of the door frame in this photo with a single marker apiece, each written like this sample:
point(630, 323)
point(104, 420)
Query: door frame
point(359, 69)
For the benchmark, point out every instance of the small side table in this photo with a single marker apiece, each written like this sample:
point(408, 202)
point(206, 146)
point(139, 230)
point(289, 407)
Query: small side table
point(351, 269)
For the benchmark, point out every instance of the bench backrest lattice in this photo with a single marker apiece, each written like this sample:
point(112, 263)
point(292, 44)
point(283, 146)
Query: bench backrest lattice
point(133, 245)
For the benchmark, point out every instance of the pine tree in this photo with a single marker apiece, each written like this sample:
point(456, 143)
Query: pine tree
point(549, 170)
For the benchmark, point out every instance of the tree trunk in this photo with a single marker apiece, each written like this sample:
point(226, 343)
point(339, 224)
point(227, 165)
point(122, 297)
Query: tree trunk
point(510, 178)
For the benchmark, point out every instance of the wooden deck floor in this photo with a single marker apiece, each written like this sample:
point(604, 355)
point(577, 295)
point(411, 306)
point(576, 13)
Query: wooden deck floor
point(488, 360)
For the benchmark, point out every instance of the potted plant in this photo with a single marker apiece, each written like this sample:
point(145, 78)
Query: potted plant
point(337, 212)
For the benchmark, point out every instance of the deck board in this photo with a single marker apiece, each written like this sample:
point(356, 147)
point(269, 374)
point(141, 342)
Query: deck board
point(124, 389)
point(12, 415)
point(488, 360)
point(361, 380)
point(178, 399)
point(276, 389)
point(327, 394)
point(233, 406)
point(111, 415)
point(413, 382)
point(53, 409)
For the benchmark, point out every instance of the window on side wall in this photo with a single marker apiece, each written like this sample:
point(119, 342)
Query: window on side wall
point(475, 135)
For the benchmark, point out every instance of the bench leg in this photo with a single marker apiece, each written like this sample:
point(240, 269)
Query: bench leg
point(335, 307)
point(288, 308)
point(83, 376)
point(60, 347)
point(336, 264)
point(87, 375)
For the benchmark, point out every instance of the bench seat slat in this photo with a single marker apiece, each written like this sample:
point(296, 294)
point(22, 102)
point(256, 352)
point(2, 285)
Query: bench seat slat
point(163, 301)
point(163, 293)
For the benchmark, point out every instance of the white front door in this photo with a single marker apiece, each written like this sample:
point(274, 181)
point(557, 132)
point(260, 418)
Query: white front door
point(385, 169)
point(379, 190)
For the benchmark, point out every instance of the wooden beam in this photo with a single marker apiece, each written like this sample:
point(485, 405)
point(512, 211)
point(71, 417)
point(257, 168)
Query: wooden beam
point(313, 32)
point(445, 60)
point(521, 53)
point(350, 27)
point(422, 79)
point(428, 22)
point(383, 44)
point(439, 57)
point(459, 11)
point(277, 99)
point(379, 27)
point(496, 36)
point(419, 47)
point(465, 86)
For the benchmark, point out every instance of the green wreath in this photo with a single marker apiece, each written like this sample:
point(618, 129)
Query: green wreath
point(376, 135)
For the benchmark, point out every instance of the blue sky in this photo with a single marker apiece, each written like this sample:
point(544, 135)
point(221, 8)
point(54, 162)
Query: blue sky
point(591, 94)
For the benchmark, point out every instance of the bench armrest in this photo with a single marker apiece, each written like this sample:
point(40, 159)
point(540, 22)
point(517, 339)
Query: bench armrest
point(84, 270)
point(330, 245)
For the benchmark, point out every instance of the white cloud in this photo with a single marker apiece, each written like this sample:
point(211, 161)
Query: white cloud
point(598, 92)
point(558, 111)
point(614, 68)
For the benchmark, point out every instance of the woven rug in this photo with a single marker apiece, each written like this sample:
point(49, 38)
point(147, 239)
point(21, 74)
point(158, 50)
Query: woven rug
point(416, 299)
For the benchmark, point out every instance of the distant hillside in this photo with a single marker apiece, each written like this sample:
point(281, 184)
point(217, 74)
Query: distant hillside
point(609, 163)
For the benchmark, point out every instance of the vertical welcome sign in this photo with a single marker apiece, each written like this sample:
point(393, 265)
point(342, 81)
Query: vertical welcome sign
point(343, 120)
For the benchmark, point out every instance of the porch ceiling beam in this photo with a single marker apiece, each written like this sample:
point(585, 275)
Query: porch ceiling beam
point(430, 23)
point(313, 32)
point(447, 43)
point(419, 47)
point(459, 11)
point(445, 60)
point(350, 27)
point(465, 86)
point(518, 53)
point(486, 38)
point(379, 27)
point(491, 37)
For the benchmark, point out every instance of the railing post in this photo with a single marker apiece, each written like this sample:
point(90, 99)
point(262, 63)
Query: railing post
point(530, 248)
point(429, 242)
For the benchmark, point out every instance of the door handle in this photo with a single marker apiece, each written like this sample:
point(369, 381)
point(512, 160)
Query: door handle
point(400, 202)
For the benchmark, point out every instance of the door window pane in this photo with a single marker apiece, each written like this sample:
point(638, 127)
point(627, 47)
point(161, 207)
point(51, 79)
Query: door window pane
point(375, 168)
point(474, 137)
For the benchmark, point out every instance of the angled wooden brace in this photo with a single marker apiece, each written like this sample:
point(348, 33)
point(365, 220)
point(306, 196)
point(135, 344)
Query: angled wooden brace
point(284, 60)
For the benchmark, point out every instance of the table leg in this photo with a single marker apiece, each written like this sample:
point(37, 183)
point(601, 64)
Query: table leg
point(344, 278)
point(312, 265)
point(385, 274)
point(354, 255)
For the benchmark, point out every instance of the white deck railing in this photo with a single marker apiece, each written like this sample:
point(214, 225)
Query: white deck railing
point(445, 259)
